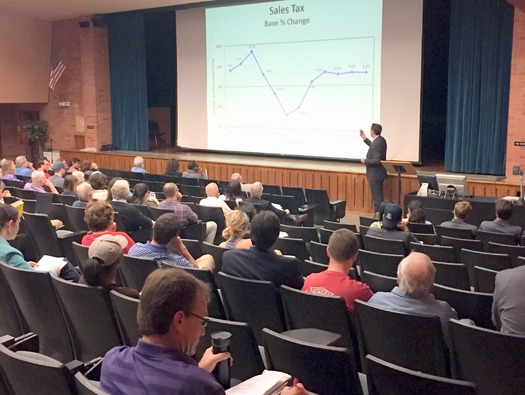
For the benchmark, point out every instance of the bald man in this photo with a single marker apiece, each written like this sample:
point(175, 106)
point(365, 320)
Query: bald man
point(212, 200)
point(415, 276)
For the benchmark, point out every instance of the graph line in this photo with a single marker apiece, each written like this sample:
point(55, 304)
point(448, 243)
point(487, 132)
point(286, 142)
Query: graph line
point(287, 113)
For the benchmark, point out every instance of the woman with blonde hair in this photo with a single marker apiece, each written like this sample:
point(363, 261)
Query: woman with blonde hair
point(237, 224)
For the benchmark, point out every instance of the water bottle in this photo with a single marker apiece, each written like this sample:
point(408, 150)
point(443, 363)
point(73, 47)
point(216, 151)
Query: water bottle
point(220, 342)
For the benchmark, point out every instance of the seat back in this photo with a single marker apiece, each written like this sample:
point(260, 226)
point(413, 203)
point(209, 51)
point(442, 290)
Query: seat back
point(43, 234)
point(332, 225)
point(38, 302)
point(487, 260)
point(379, 263)
point(306, 233)
point(255, 302)
point(81, 252)
point(387, 378)
point(458, 244)
point(426, 238)
point(453, 232)
point(421, 228)
point(322, 369)
point(75, 216)
point(90, 318)
point(244, 349)
point(308, 267)
point(214, 214)
point(418, 343)
point(157, 212)
point(378, 282)
point(286, 202)
point(291, 246)
point(215, 307)
point(484, 280)
point(25, 194)
point(454, 275)
point(473, 305)
point(11, 320)
point(513, 251)
point(272, 189)
point(192, 190)
point(135, 270)
point(26, 373)
point(297, 193)
point(324, 235)
point(492, 360)
point(385, 246)
point(323, 210)
point(435, 252)
point(126, 309)
point(318, 252)
point(144, 210)
point(501, 238)
point(308, 310)
point(367, 221)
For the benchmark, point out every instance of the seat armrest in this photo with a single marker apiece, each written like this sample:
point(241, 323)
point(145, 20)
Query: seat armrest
point(26, 342)
point(74, 236)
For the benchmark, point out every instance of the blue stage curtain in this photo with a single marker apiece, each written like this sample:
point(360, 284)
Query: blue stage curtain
point(129, 98)
point(478, 86)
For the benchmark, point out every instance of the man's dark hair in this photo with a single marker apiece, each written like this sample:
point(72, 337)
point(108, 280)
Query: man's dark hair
point(192, 165)
point(343, 244)
point(414, 203)
point(165, 292)
point(98, 181)
point(166, 227)
point(377, 128)
point(417, 216)
point(504, 209)
point(265, 227)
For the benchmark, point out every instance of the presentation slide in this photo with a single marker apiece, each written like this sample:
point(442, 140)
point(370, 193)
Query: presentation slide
point(300, 78)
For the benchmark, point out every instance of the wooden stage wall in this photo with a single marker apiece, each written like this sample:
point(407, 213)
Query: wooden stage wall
point(340, 183)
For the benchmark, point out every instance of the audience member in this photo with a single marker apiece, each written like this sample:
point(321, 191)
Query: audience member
point(212, 199)
point(391, 227)
point(172, 168)
point(74, 165)
point(3, 192)
point(343, 248)
point(9, 224)
point(99, 183)
point(84, 195)
point(184, 213)
point(38, 180)
point(171, 314)
point(167, 247)
point(23, 167)
point(244, 187)
point(99, 217)
point(110, 185)
point(194, 171)
point(417, 216)
point(415, 277)
point(88, 167)
point(141, 196)
point(237, 225)
point(260, 262)
point(100, 270)
point(138, 165)
point(57, 179)
point(233, 192)
point(378, 224)
point(501, 224)
point(8, 170)
point(411, 206)
point(508, 308)
point(43, 165)
point(137, 225)
point(79, 175)
point(461, 212)
point(70, 185)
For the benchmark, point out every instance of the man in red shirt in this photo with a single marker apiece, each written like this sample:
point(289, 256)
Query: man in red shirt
point(342, 250)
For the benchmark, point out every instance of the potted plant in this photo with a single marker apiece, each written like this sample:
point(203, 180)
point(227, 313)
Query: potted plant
point(36, 133)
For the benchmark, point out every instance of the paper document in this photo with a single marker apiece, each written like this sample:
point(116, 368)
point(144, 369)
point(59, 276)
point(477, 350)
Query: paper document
point(268, 382)
point(48, 263)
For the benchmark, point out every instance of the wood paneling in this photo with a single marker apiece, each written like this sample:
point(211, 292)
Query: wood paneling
point(350, 186)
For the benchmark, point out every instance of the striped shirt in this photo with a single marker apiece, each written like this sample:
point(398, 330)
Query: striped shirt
point(159, 254)
point(154, 370)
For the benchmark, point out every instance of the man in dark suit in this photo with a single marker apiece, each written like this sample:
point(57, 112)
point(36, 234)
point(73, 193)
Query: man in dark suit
point(260, 262)
point(137, 225)
point(375, 172)
point(501, 224)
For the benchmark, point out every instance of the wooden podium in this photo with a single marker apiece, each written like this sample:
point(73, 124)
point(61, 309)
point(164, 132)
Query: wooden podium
point(399, 167)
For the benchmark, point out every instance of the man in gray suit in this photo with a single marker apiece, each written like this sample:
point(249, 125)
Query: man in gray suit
point(501, 224)
point(508, 308)
point(375, 172)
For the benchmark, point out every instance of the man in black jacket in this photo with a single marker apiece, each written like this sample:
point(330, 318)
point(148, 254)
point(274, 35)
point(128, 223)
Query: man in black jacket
point(375, 172)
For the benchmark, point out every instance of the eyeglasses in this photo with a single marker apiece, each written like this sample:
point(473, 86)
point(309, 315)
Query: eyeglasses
point(204, 321)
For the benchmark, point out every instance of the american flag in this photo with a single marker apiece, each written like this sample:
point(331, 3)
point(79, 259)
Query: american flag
point(57, 68)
